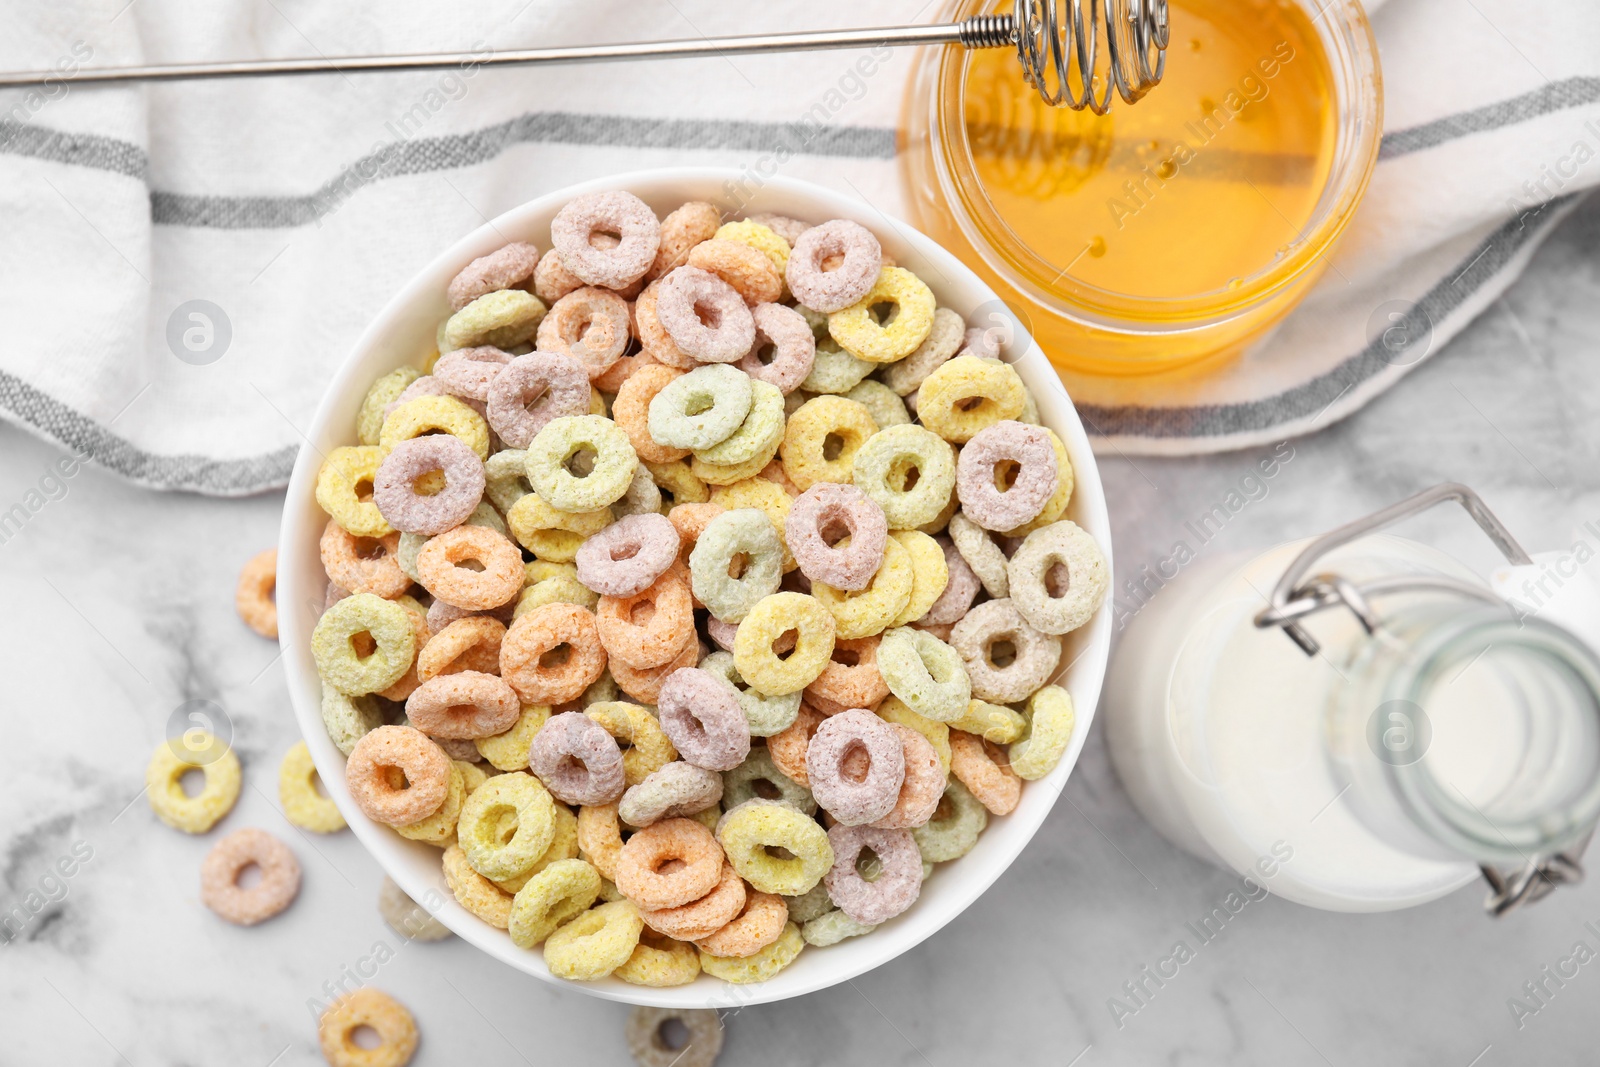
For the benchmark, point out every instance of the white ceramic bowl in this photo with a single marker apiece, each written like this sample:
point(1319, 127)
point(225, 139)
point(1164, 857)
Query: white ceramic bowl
point(404, 334)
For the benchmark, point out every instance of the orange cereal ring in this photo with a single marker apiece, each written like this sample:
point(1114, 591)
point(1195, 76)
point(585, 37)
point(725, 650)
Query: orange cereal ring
point(690, 520)
point(552, 280)
point(475, 892)
point(219, 877)
point(470, 643)
point(649, 628)
point(397, 776)
point(252, 598)
point(600, 837)
point(923, 785)
point(759, 923)
point(703, 917)
point(619, 372)
point(420, 633)
point(985, 770)
point(652, 335)
point(644, 685)
point(467, 705)
point(631, 411)
point(371, 1009)
point(669, 863)
point(363, 564)
point(685, 227)
point(850, 680)
point(552, 654)
point(788, 747)
point(747, 269)
point(590, 325)
point(440, 572)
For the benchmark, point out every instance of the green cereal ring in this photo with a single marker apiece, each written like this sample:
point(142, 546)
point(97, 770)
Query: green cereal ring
point(555, 446)
point(427, 414)
point(909, 471)
point(860, 333)
point(384, 391)
point(992, 722)
point(509, 751)
point(563, 847)
point(834, 370)
point(595, 943)
point(926, 674)
point(884, 403)
point(504, 319)
point(163, 781)
point(343, 473)
point(955, 826)
point(968, 395)
point(506, 478)
point(739, 784)
point(831, 928)
point(760, 434)
point(743, 536)
point(822, 438)
point(754, 646)
point(749, 834)
point(556, 895)
point(1050, 723)
point(810, 904)
point(701, 409)
point(438, 828)
point(333, 647)
point(348, 718)
point(760, 967)
point(766, 715)
point(515, 804)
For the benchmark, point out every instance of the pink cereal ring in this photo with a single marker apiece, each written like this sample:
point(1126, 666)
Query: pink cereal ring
point(872, 791)
point(703, 719)
point(894, 890)
point(463, 705)
point(397, 800)
point(824, 514)
point(468, 372)
point(532, 390)
point(979, 469)
point(619, 213)
point(428, 385)
point(834, 290)
point(705, 316)
point(960, 590)
point(590, 325)
point(627, 557)
point(219, 877)
point(510, 267)
point(794, 347)
point(721, 632)
point(394, 489)
point(577, 760)
point(924, 783)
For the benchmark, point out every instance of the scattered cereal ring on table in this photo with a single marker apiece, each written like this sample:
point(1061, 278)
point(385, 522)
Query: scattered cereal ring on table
point(760, 967)
point(163, 779)
point(375, 1010)
point(302, 804)
point(253, 596)
point(279, 883)
point(829, 291)
point(1058, 578)
point(397, 800)
point(967, 395)
point(651, 1046)
point(821, 440)
point(864, 336)
point(406, 917)
point(612, 212)
point(595, 943)
point(750, 832)
point(508, 267)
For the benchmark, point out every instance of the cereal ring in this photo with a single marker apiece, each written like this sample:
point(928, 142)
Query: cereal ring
point(875, 608)
point(508, 751)
point(961, 589)
point(440, 567)
point(646, 748)
point(163, 780)
point(428, 385)
point(627, 557)
point(754, 652)
point(653, 337)
point(590, 326)
point(742, 540)
point(550, 533)
point(394, 489)
point(361, 564)
point(372, 1009)
point(943, 340)
point(555, 446)
point(760, 967)
point(552, 280)
point(968, 395)
point(219, 877)
point(531, 391)
point(690, 520)
point(704, 916)
point(431, 414)
point(929, 575)
point(410, 544)
point(650, 628)
point(992, 722)
point(954, 828)
point(703, 717)
point(252, 597)
point(985, 771)
point(1050, 724)
point(809, 905)
point(556, 895)
point(825, 290)
point(788, 747)
point(1006, 475)
point(643, 496)
point(344, 488)
point(466, 705)
point(611, 212)
point(440, 827)
point(302, 804)
point(851, 679)
point(886, 408)
point(733, 473)
point(894, 711)
point(782, 225)
point(983, 556)
point(468, 372)
point(668, 864)
point(675, 790)
point(745, 269)
point(595, 943)
point(759, 435)
point(474, 892)
point(631, 410)
point(504, 319)
point(564, 846)
point(1056, 506)
point(820, 519)
point(348, 718)
point(600, 837)
point(647, 1038)
point(759, 923)
point(704, 316)
point(506, 478)
point(385, 391)
point(1058, 578)
point(469, 643)
point(624, 368)
point(894, 890)
point(682, 229)
point(577, 760)
point(507, 824)
point(909, 471)
point(743, 783)
point(865, 336)
point(925, 673)
point(645, 685)
point(406, 917)
point(833, 370)
point(397, 800)
point(762, 238)
point(784, 348)
point(855, 798)
point(702, 408)
point(508, 267)
point(767, 495)
point(1006, 659)
point(821, 440)
point(333, 644)
point(832, 927)
point(750, 833)
point(764, 715)
point(419, 636)
point(923, 784)
point(660, 962)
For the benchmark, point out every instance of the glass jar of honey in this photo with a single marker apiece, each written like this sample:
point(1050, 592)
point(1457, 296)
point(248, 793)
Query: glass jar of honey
point(1169, 232)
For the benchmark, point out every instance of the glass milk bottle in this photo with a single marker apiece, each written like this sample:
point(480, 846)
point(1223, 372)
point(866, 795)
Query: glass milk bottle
point(1366, 735)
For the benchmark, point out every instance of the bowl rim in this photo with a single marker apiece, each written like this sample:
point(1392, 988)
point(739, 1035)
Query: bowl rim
point(421, 301)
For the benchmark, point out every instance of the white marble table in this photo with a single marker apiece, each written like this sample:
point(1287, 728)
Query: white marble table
point(118, 608)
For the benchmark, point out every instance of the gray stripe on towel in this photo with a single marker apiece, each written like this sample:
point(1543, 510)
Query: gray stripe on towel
point(1555, 96)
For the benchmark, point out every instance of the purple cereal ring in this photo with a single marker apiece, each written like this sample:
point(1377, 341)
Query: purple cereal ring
point(554, 385)
point(794, 347)
point(628, 556)
point(819, 518)
point(828, 291)
point(894, 890)
point(855, 795)
point(723, 633)
point(590, 325)
point(980, 342)
point(705, 316)
point(442, 614)
point(510, 267)
point(577, 760)
point(702, 717)
point(396, 496)
point(979, 466)
point(428, 385)
point(960, 589)
point(617, 213)
point(468, 372)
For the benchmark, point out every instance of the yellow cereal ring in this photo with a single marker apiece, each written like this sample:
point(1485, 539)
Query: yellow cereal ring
point(504, 318)
point(550, 533)
point(563, 589)
point(660, 962)
point(822, 438)
point(472, 775)
point(766, 495)
point(506, 825)
point(384, 391)
point(297, 792)
point(597, 403)
point(759, 435)
point(646, 748)
point(772, 617)
point(537, 570)
point(749, 833)
point(474, 892)
point(371, 1009)
point(163, 780)
point(344, 474)
point(992, 722)
point(509, 751)
point(763, 239)
point(760, 967)
point(426, 414)
point(1056, 506)
point(929, 574)
point(339, 662)
point(874, 609)
point(1050, 724)
point(440, 827)
point(556, 895)
point(859, 332)
point(677, 481)
point(600, 837)
point(595, 943)
point(729, 473)
point(938, 733)
point(967, 395)
point(564, 846)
